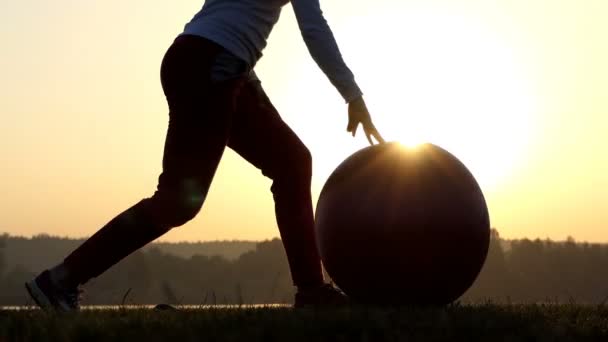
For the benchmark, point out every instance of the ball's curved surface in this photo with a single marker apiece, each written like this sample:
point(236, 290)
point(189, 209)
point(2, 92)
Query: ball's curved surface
point(398, 225)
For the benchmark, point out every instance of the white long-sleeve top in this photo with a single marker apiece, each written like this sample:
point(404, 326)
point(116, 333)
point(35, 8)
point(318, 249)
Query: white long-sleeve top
point(242, 27)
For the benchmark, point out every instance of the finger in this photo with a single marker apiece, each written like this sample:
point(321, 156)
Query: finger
point(369, 138)
point(354, 131)
point(349, 126)
point(378, 137)
point(371, 129)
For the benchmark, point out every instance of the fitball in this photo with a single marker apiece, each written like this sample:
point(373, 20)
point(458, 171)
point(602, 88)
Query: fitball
point(402, 225)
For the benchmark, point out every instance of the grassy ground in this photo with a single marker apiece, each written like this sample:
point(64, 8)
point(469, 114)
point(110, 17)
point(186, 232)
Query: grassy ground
point(454, 323)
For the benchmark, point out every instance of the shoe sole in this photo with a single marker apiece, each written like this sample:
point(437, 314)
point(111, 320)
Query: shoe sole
point(38, 296)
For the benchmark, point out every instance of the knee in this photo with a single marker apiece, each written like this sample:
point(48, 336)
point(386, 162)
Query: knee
point(182, 211)
point(177, 206)
point(301, 163)
point(297, 168)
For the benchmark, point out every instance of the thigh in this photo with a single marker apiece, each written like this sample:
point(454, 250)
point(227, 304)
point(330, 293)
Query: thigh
point(200, 114)
point(260, 136)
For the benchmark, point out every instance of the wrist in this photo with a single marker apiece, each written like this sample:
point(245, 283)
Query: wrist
point(357, 101)
point(357, 104)
point(352, 95)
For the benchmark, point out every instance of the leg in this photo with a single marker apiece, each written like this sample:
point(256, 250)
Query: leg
point(199, 124)
point(261, 137)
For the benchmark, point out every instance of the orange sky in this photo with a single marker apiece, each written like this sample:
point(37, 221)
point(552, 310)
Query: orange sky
point(517, 89)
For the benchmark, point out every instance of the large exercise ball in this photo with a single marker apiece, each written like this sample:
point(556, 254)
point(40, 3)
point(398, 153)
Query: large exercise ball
point(402, 225)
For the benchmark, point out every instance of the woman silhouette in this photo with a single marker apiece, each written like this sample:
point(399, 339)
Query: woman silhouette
point(215, 100)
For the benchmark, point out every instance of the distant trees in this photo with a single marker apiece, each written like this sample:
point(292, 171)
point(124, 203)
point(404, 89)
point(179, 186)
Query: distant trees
point(2, 261)
point(543, 270)
point(515, 271)
point(11, 278)
point(494, 276)
point(43, 251)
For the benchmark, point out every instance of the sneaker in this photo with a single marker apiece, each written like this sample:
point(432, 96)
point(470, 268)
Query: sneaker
point(324, 296)
point(50, 296)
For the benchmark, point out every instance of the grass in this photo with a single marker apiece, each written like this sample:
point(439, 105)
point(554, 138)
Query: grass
point(454, 323)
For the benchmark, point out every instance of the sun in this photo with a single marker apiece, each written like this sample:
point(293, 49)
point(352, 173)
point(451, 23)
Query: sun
point(449, 81)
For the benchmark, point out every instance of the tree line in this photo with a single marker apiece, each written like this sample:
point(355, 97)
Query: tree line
point(515, 271)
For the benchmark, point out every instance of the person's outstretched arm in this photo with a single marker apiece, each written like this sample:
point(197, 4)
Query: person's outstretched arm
point(324, 50)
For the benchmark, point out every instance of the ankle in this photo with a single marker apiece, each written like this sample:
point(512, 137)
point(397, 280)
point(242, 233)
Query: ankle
point(310, 287)
point(60, 275)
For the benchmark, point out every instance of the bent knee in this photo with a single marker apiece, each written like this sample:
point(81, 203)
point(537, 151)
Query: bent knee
point(300, 163)
point(182, 211)
point(176, 207)
point(296, 168)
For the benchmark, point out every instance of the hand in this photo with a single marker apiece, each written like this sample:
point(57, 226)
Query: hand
point(358, 114)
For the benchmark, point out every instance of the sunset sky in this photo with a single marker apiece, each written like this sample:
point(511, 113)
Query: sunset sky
point(518, 90)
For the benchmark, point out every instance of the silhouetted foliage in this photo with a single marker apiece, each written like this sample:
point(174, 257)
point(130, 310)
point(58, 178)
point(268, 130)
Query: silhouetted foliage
point(515, 271)
point(43, 251)
point(543, 270)
point(2, 261)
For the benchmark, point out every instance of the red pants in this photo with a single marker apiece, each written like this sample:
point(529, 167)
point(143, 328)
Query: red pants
point(204, 118)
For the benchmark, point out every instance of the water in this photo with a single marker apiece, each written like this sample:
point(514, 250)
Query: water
point(150, 307)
